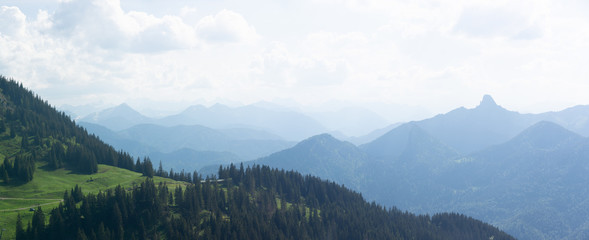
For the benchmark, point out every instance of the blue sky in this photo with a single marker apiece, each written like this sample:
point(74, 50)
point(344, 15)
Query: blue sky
point(531, 56)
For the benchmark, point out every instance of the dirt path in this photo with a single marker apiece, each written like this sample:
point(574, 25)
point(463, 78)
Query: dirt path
point(29, 207)
point(46, 199)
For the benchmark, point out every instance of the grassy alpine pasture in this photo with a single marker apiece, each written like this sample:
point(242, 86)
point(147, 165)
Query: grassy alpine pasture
point(48, 186)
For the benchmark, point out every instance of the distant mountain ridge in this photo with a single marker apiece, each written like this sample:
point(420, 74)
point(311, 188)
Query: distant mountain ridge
point(515, 170)
point(321, 155)
point(287, 124)
point(190, 147)
point(469, 130)
point(117, 118)
point(519, 171)
point(488, 124)
point(506, 184)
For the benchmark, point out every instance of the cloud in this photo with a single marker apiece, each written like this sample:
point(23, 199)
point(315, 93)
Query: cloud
point(496, 22)
point(311, 51)
point(13, 22)
point(168, 32)
point(226, 26)
point(279, 67)
point(321, 73)
point(103, 23)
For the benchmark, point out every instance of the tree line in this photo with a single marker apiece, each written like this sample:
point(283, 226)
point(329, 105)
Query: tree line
point(252, 203)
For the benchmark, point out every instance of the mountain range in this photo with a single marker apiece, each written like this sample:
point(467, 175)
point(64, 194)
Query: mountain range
point(55, 179)
point(470, 130)
point(190, 147)
point(487, 161)
point(289, 125)
point(522, 172)
point(200, 136)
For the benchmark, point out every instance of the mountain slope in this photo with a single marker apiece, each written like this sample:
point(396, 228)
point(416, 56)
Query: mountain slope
point(133, 147)
point(536, 182)
point(527, 186)
point(387, 170)
point(408, 142)
point(409, 161)
point(360, 140)
point(531, 185)
point(321, 155)
point(43, 153)
point(574, 118)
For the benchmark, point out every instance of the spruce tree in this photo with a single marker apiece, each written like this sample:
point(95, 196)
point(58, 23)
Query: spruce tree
point(20, 231)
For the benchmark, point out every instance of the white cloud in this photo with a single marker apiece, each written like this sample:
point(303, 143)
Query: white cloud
point(226, 26)
point(106, 25)
point(427, 52)
point(12, 22)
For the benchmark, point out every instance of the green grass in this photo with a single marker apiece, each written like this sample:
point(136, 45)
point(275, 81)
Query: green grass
point(47, 189)
point(7, 204)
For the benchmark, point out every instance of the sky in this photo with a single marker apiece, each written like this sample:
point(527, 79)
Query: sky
point(403, 59)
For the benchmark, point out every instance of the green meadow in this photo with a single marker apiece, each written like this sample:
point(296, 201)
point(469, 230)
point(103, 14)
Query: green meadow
point(48, 186)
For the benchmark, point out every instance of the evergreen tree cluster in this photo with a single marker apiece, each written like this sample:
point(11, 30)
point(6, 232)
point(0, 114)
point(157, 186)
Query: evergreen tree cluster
point(22, 168)
point(49, 135)
point(193, 177)
point(253, 203)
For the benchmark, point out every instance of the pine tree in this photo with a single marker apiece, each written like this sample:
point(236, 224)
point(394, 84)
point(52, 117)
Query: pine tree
point(4, 174)
point(147, 167)
point(117, 221)
point(20, 232)
point(160, 170)
point(101, 234)
point(38, 224)
point(81, 235)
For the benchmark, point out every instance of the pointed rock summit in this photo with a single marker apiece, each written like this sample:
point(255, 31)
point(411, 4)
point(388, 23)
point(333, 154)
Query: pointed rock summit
point(487, 101)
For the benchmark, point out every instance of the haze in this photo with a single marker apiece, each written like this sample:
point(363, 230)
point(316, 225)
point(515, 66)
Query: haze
point(401, 59)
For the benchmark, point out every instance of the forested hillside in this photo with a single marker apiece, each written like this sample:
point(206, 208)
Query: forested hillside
point(252, 203)
point(31, 130)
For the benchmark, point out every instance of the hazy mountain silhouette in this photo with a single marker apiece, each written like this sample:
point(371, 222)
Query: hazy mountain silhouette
point(321, 155)
point(533, 186)
point(408, 142)
point(469, 130)
point(200, 138)
point(117, 118)
point(351, 121)
point(190, 159)
point(371, 136)
point(119, 142)
point(287, 124)
point(190, 147)
point(574, 118)
point(404, 165)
